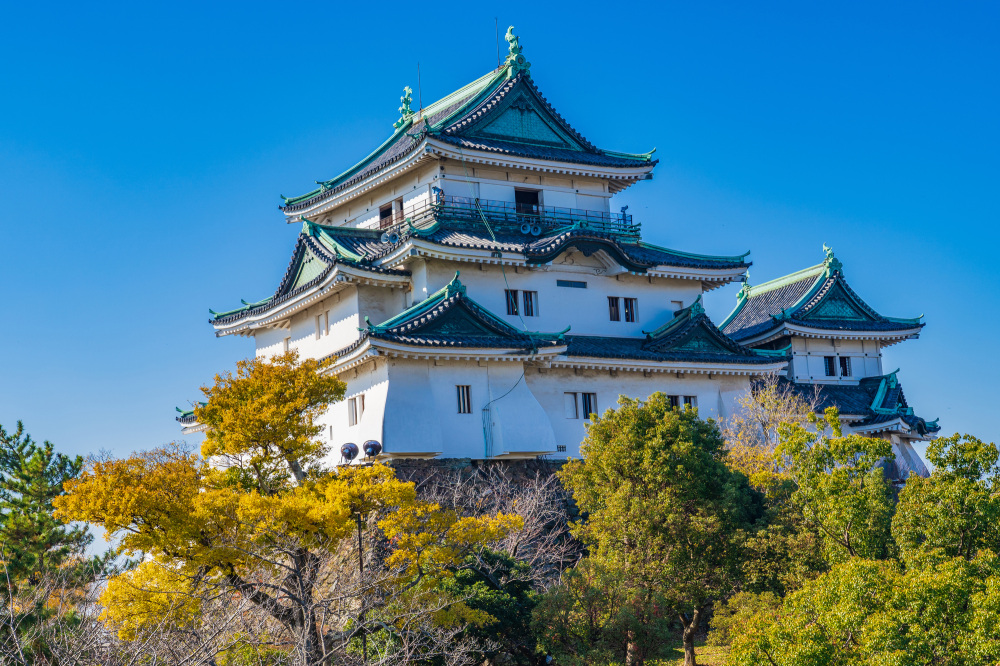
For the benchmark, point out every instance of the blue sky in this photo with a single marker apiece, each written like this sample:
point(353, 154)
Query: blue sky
point(143, 148)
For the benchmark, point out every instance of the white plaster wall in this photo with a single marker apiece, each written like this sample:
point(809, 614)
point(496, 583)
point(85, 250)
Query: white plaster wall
point(372, 381)
point(808, 355)
point(345, 310)
point(717, 397)
point(586, 310)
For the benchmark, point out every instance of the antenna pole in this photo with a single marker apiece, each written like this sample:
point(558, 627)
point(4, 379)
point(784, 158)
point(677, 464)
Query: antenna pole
point(420, 93)
point(496, 29)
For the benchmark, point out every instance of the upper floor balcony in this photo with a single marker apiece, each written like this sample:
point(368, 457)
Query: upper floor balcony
point(527, 218)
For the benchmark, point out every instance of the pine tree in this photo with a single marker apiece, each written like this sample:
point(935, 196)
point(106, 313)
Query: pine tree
point(32, 540)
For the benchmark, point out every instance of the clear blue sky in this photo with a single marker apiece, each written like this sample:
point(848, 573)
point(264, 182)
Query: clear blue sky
point(143, 148)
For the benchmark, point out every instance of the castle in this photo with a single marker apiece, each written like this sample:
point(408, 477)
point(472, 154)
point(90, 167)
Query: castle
point(482, 299)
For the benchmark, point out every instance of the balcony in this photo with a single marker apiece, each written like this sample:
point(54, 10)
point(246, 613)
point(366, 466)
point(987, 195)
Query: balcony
point(531, 219)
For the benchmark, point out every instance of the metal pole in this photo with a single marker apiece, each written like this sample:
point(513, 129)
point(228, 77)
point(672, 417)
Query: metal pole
point(361, 572)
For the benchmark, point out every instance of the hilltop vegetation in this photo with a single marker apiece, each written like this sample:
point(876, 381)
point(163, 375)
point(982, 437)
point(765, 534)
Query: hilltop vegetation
point(775, 538)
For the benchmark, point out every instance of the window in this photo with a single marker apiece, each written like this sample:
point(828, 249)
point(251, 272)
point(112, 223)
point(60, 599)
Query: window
point(690, 401)
point(526, 202)
point(560, 448)
point(571, 283)
point(319, 326)
point(572, 406)
point(589, 401)
point(631, 309)
point(385, 216)
point(352, 411)
point(530, 303)
point(464, 399)
point(287, 344)
point(674, 400)
point(830, 364)
point(614, 310)
point(511, 295)
point(845, 366)
point(326, 319)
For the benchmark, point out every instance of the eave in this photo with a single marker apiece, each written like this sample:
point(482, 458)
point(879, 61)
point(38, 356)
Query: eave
point(678, 367)
point(340, 277)
point(417, 247)
point(620, 177)
point(784, 329)
point(369, 348)
point(896, 425)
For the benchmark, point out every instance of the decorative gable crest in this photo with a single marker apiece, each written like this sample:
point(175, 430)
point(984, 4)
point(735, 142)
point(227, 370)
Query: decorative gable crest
point(692, 331)
point(404, 107)
point(523, 118)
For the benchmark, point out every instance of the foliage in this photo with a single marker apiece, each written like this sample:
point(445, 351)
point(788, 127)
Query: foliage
point(268, 523)
point(840, 488)
point(596, 617)
point(957, 509)
point(664, 511)
point(753, 432)
point(44, 565)
point(930, 595)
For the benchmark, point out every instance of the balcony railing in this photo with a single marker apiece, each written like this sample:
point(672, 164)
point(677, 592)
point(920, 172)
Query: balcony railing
point(525, 218)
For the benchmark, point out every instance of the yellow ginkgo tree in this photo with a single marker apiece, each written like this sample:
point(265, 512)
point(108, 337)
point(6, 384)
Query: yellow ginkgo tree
point(259, 517)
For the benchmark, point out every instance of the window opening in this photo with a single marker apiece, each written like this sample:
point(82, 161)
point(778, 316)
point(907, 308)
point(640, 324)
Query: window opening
point(589, 401)
point(464, 399)
point(829, 363)
point(560, 448)
point(572, 406)
point(385, 216)
point(526, 202)
point(571, 283)
point(845, 366)
point(530, 303)
point(352, 411)
point(631, 309)
point(511, 295)
point(614, 308)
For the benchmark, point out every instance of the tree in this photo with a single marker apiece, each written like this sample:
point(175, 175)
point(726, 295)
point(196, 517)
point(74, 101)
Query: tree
point(840, 488)
point(43, 558)
point(957, 509)
point(753, 433)
point(265, 521)
point(664, 511)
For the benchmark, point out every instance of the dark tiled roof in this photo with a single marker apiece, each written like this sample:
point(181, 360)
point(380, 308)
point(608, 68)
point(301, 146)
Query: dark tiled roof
point(637, 256)
point(636, 349)
point(690, 336)
point(818, 297)
point(287, 289)
point(859, 401)
point(448, 119)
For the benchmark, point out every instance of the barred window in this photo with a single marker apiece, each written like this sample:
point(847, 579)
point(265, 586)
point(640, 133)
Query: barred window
point(511, 295)
point(614, 308)
point(530, 303)
point(589, 401)
point(845, 366)
point(464, 399)
point(561, 448)
point(631, 309)
point(830, 365)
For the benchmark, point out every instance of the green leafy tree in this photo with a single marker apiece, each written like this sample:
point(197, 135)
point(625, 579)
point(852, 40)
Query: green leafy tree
point(495, 583)
point(957, 508)
point(664, 511)
point(840, 488)
point(595, 616)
